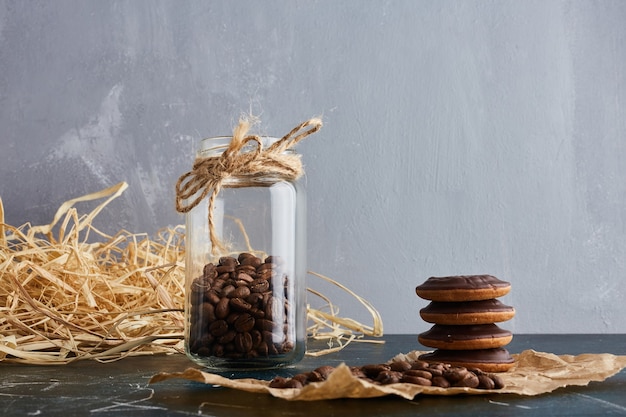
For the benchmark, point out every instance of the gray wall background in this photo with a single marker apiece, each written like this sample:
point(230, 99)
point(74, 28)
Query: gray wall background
point(460, 136)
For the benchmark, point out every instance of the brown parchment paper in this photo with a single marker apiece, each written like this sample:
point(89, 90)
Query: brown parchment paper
point(534, 373)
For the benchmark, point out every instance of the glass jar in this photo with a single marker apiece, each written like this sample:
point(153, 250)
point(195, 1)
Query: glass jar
point(245, 306)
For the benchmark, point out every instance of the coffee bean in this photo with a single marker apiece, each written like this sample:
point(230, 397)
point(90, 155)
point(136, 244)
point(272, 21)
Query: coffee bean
point(357, 372)
point(302, 377)
point(244, 323)
point(218, 350)
point(274, 259)
point(389, 377)
point(262, 349)
point(293, 383)
point(315, 377)
point(400, 366)
point(278, 382)
point(372, 371)
point(287, 346)
point(272, 349)
point(485, 382)
point(477, 371)
point(265, 274)
point(325, 371)
point(209, 271)
point(208, 312)
point(417, 380)
point(264, 325)
point(440, 381)
point(239, 304)
point(252, 261)
point(228, 289)
point(225, 268)
point(419, 365)
point(455, 374)
point(227, 337)
point(222, 308)
point(228, 260)
point(257, 338)
point(497, 381)
point(246, 272)
point(243, 342)
point(268, 337)
point(221, 279)
point(200, 285)
point(255, 299)
point(239, 292)
point(470, 380)
point(212, 297)
point(418, 372)
point(259, 285)
point(256, 313)
point(438, 366)
point(243, 256)
point(218, 283)
point(196, 298)
point(243, 279)
point(232, 317)
point(218, 328)
point(274, 309)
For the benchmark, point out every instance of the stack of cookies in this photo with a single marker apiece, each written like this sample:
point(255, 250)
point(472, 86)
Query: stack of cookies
point(464, 310)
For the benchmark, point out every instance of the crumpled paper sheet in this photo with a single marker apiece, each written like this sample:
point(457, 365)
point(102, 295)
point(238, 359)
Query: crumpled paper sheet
point(534, 373)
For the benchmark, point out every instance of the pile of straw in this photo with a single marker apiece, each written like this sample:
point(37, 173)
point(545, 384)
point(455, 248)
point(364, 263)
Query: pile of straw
point(69, 291)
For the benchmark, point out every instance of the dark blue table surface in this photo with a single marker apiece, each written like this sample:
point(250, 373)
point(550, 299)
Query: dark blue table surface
point(121, 388)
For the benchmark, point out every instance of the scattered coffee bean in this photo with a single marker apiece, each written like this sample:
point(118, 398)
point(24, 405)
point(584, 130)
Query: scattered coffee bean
point(455, 374)
point(324, 371)
point(400, 366)
point(498, 382)
point(418, 373)
point(372, 371)
point(389, 377)
point(439, 381)
point(485, 382)
point(417, 380)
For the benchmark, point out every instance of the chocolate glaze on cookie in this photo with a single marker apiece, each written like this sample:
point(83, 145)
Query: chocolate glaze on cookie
point(462, 288)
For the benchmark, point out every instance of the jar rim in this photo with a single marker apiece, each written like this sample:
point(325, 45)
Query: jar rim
point(215, 145)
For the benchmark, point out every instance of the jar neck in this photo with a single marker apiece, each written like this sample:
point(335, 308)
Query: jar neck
point(214, 147)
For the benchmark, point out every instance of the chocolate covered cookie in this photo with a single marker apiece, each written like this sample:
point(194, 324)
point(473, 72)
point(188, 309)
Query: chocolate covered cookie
point(488, 360)
point(467, 337)
point(462, 288)
point(468, 312)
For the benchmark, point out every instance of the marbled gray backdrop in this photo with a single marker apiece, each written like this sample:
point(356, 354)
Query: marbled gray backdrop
point(460, 136)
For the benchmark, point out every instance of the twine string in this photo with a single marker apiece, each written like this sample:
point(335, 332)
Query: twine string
point(246, 158)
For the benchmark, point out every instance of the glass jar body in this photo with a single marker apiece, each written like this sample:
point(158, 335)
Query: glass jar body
point(246, 305)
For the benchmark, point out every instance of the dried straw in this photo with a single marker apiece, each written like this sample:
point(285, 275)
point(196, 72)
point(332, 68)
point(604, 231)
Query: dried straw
point(65, 296)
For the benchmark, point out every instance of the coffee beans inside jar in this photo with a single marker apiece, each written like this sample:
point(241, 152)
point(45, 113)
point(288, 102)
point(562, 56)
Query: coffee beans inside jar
point(240, 309)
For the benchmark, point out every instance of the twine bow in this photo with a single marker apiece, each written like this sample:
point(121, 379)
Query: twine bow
point(208, 174)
